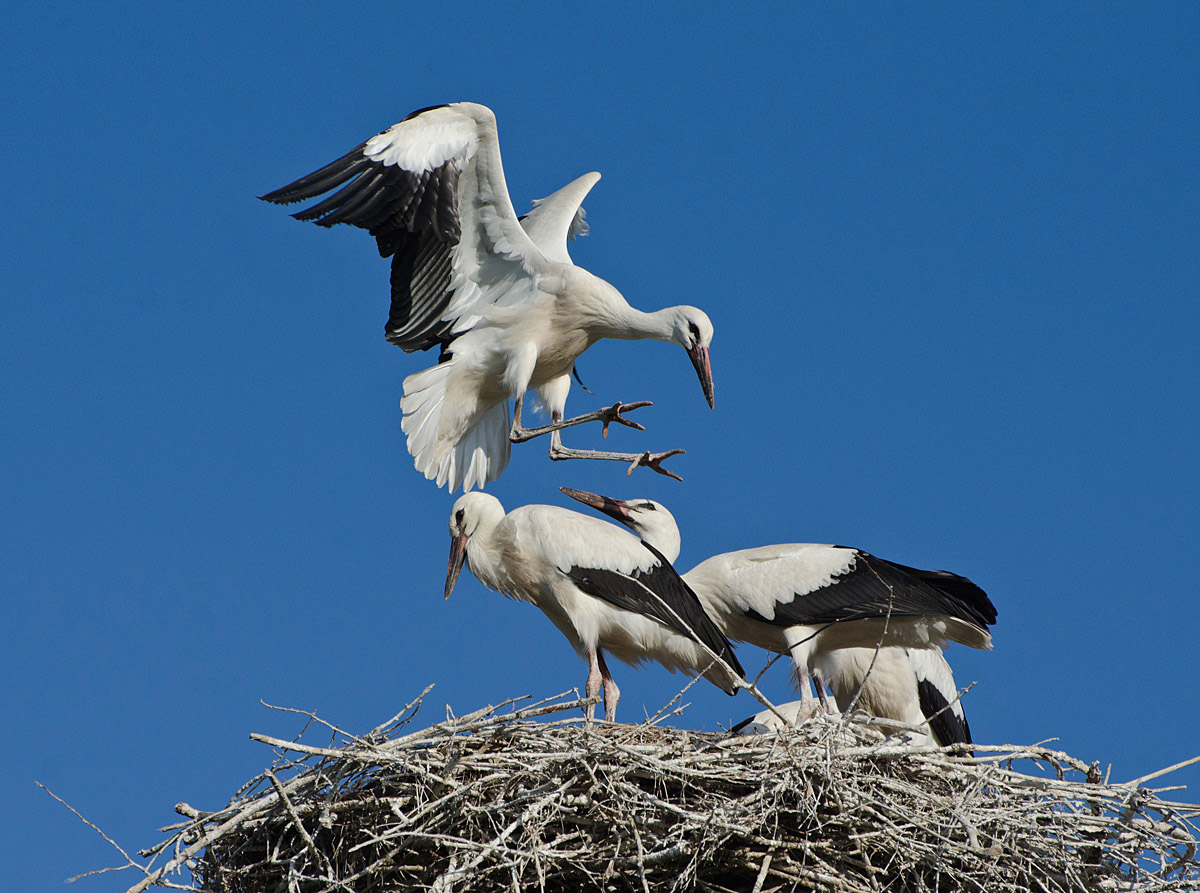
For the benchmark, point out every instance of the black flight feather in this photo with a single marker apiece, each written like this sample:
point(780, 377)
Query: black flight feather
point(659, 593)
point(872, 585)
point(947, 726)
point(413, 216)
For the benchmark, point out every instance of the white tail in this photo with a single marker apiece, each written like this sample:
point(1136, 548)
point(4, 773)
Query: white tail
point(472, 453)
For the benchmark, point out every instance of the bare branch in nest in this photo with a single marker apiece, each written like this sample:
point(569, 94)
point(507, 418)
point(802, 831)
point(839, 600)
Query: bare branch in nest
point(503, 798)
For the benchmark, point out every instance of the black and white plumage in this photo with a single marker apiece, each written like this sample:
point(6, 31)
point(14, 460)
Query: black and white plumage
point(914, 686)
point(767, 722)
point(602, 588)
point(502, 302)
point(829, 607)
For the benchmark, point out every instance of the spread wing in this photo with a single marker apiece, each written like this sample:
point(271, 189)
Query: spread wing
point(431, 191)
point(557, 219)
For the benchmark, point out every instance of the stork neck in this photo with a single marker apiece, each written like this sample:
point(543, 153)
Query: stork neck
point(663, 537)
point(631, 324)
point(483, 554)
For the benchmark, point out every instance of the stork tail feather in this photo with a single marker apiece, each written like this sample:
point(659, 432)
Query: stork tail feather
point(473, 458)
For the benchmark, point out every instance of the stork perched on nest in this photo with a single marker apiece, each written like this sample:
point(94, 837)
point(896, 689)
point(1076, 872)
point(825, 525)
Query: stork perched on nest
point(506, 307)
point(602, 588)
point(872, 630)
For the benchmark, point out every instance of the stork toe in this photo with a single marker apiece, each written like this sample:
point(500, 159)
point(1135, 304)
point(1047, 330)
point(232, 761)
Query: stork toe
point(612, 414)
point(654, 461)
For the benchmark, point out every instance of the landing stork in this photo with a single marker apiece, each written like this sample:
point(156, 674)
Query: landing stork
point(506, 308)
point(830, 608)
point(602, 588)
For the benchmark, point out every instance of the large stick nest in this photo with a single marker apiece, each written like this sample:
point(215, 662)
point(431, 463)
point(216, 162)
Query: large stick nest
point(496, 800)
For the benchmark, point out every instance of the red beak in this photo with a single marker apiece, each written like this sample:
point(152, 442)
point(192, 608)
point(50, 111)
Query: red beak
point(700, 359)
point(458, 554)
point(614, 508)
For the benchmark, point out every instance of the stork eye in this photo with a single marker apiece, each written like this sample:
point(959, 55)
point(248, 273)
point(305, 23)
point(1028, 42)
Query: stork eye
point(648, 506)
point(458, 517)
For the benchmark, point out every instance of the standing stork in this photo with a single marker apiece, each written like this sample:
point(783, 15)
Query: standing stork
point(602, 588)
point(506, 307)
point(869, 629)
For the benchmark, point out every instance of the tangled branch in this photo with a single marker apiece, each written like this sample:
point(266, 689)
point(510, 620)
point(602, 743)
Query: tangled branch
point(497, 800)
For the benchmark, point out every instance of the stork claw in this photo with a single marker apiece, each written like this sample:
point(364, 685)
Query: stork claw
point(654, 462)
point(612, 414)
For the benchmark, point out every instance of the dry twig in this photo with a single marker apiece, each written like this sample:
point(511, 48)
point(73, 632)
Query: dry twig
point(494, 800)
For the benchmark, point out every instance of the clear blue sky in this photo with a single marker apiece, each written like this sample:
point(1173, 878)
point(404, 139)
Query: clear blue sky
point(952, 263)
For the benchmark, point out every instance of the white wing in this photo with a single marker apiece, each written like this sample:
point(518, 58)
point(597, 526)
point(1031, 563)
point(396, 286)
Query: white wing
point(766, 722)
point(762, 579)
point(431, 191)
point(807, 584)
point(606, 562)
point(567, 539)
point(557, 219)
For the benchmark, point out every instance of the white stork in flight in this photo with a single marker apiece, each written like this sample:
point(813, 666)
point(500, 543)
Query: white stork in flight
point(502, 302)
point(827, 607)
point(602, 588)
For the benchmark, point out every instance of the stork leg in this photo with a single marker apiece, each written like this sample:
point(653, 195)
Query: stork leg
point(594, 681)
point(809, 706)
point(554, 396)
point(608, 415)
point(821, 696)
point(612, 694)
point(649, 460)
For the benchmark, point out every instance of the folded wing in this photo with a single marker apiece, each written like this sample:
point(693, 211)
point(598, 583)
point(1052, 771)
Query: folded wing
point(656, 590)
point(811, 584)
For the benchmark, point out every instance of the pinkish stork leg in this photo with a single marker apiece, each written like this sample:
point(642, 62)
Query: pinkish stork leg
point(612, 694)
point(821, 696)
point(594, 681)
point(809, 706)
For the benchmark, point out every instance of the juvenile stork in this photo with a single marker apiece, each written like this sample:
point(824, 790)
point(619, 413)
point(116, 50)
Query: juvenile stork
point(830, 608)
point(506, 308)
point(914, 686)
point(602, 588)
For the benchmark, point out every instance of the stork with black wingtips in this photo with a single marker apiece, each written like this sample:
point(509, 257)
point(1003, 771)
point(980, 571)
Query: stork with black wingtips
point(868, 628)
point(606, 591)
point(503, 303)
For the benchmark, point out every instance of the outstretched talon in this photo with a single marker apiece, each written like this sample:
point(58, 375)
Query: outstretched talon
point(608, 416)
point(612, 414)
point(654, 461)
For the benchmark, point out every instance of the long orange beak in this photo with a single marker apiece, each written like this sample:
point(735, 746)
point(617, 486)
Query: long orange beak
point(614, 508)
point(458, 554)
point(700, 359)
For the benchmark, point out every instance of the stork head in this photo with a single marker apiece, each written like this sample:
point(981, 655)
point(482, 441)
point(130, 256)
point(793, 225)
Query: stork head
point(649, 520)
point(472, 513)
point(693, 330)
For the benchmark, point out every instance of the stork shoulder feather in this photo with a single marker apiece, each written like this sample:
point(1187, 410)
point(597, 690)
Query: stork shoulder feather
point(427, 140)
point(569, 539)
point(760, 578)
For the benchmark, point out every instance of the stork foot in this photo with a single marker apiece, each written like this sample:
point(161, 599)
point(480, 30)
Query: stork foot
point(809, 709)
point(609, 415)
point(612, 415)
point(558, 453)
point(654, 461)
